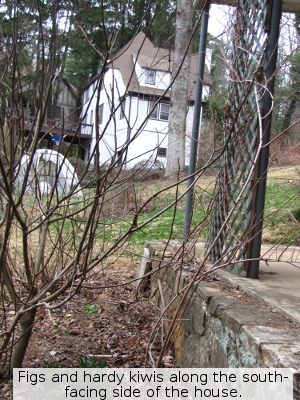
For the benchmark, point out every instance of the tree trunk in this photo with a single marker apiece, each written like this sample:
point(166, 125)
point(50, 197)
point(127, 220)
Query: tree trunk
point(26, 324)
point(290, 111)
point(179, 95)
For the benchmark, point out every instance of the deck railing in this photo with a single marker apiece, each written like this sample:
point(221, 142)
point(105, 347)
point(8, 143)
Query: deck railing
point(59, 127)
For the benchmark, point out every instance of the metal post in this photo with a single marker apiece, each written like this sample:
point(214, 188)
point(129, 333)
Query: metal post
point(270, 67)
point(196, 120)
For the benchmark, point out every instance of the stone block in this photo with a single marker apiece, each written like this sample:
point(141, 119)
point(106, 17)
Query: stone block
point(195, 352)
point(281, 356)
point(208, 290)
point(194, 317)
point(284, 356)
point(219, 343)
point(239, 313)
point(144, 268)
point(262, 334)
point(220, 301)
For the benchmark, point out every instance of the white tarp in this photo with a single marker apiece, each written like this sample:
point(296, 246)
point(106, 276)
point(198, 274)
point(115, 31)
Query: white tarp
point(49, 171)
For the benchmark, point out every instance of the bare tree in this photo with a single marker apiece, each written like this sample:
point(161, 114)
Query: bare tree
point(54, 225)
point(53, 234)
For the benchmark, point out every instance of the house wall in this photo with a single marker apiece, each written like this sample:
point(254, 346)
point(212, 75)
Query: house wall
point(66, 103)
point(162, 78)
point(63, 103)
point(145, 134)
point(113, 88)
point(148, 134)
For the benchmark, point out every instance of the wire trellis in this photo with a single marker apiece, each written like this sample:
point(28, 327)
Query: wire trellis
point(230, 227)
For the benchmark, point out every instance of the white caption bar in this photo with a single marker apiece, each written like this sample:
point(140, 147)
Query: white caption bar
point(148, 384)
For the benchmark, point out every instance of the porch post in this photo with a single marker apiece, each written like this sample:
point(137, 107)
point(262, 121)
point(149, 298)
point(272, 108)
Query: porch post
point(196, 121)
point(270, 67)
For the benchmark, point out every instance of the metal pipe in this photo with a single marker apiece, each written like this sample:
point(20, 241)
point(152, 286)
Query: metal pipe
point(270, 67)
point(196, 121)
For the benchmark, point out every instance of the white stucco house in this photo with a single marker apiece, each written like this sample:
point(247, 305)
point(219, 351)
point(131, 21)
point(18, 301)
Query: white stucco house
point(130, 102)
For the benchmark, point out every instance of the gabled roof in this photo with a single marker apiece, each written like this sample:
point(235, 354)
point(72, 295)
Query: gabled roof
point(140, 49)
point(71, 87)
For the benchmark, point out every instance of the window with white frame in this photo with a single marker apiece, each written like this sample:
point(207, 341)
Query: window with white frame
point(100, 113)
point(150, 77)
point(92, 117)
point(160, 111)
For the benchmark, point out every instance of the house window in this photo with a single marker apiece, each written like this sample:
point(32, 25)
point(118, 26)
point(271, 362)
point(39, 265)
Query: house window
point(122, 109)
point(150, 77)
point(160, 111)
point(100, 113)
point(161, 152)
point(91, 118)
point(164, 112)
point(153, 111)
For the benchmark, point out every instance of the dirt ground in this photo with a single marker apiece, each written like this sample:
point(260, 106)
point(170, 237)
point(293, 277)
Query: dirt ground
point(110, 325)
point(100, 327)
point(284, 156)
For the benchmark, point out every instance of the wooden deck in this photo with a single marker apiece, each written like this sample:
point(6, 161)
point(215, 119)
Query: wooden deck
point(57, 127)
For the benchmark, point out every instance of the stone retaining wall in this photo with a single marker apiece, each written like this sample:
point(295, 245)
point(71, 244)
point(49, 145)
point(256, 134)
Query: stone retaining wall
point(221, 326)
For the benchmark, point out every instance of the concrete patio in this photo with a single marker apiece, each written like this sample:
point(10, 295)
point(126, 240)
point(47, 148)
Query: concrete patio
point(278, 285)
